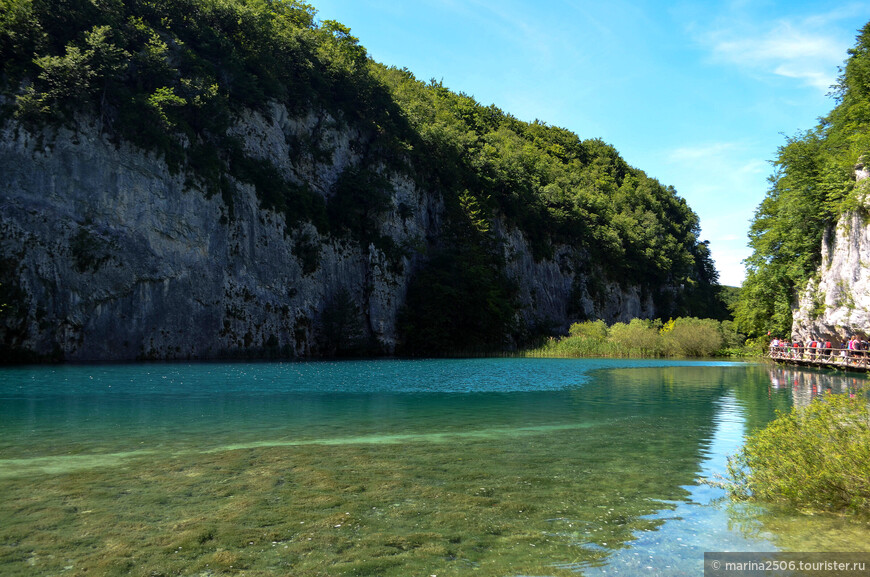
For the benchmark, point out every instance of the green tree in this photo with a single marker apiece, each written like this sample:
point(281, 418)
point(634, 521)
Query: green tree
point(459, 303)
point(811, 187)
point(63, 84)
point(342, 324)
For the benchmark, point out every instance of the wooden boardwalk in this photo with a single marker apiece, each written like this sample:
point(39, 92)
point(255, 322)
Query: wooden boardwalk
point(842, 359)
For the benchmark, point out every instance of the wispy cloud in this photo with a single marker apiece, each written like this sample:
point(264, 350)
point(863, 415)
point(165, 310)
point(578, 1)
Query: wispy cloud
point(734, 158)
point(793, 50)
point(808, 48)
point(506, 20)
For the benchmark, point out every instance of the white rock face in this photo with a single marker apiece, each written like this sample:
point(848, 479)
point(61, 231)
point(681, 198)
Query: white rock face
point(836, 305)
point(110, 256)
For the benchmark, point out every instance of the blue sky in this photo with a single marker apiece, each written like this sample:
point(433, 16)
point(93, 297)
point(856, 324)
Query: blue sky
point(697, 94)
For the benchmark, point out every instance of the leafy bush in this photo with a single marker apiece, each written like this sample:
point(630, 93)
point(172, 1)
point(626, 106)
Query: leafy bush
point(576, 347)
point(692, 337)
point(592, 330)
point(680, 337)
point(731, 338)
point(816, 457)
point(637, 338)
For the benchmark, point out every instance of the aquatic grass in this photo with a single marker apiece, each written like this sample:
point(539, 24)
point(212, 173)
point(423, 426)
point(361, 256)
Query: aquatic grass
point(314, 510)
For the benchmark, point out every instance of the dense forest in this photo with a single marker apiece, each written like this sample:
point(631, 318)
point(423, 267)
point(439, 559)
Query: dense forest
point(171, 75)
point(813, 184)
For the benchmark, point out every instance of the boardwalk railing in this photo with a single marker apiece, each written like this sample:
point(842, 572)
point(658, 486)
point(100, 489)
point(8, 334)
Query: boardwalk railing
point(839, 358)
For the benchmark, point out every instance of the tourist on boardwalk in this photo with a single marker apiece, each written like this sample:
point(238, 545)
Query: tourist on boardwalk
point(774, 348)
point(851, 348)
point(860, 350)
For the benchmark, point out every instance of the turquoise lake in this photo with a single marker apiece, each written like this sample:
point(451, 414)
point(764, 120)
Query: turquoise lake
point(502, 467)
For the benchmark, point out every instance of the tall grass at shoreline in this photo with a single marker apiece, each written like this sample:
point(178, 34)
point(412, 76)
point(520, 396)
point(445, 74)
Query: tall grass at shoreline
point(681, 337)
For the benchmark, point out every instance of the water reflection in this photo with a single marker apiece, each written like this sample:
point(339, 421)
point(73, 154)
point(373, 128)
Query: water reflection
point(706, 520)
point(808, 384)
point(696, 524)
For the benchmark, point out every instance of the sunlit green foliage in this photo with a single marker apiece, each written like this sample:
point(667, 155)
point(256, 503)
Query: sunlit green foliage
point(680, 337)
point(693, 337)
point(812, 185)
point(592, 330)
point(638, 337)
point(816, 457)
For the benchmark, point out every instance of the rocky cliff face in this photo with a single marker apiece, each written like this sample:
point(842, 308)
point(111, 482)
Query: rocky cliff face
point(105, 254)
point(836, 304)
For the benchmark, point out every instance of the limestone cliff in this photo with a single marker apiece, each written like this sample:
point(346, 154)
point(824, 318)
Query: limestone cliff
point(107, 254)
point(836, 303)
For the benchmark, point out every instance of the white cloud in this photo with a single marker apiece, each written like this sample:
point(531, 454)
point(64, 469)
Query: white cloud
point(786, 41)
point(717, 159)
point(503, 18)
point(808, 49)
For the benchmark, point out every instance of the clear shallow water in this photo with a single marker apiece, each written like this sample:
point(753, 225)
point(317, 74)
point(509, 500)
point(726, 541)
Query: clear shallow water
point(48, 411)
point(388, 467)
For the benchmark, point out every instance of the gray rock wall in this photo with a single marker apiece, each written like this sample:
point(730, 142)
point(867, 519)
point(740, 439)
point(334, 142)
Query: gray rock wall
point(108, 255)
point(556, 292)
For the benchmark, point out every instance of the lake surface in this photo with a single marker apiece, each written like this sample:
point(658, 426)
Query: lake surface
point(501, 467)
